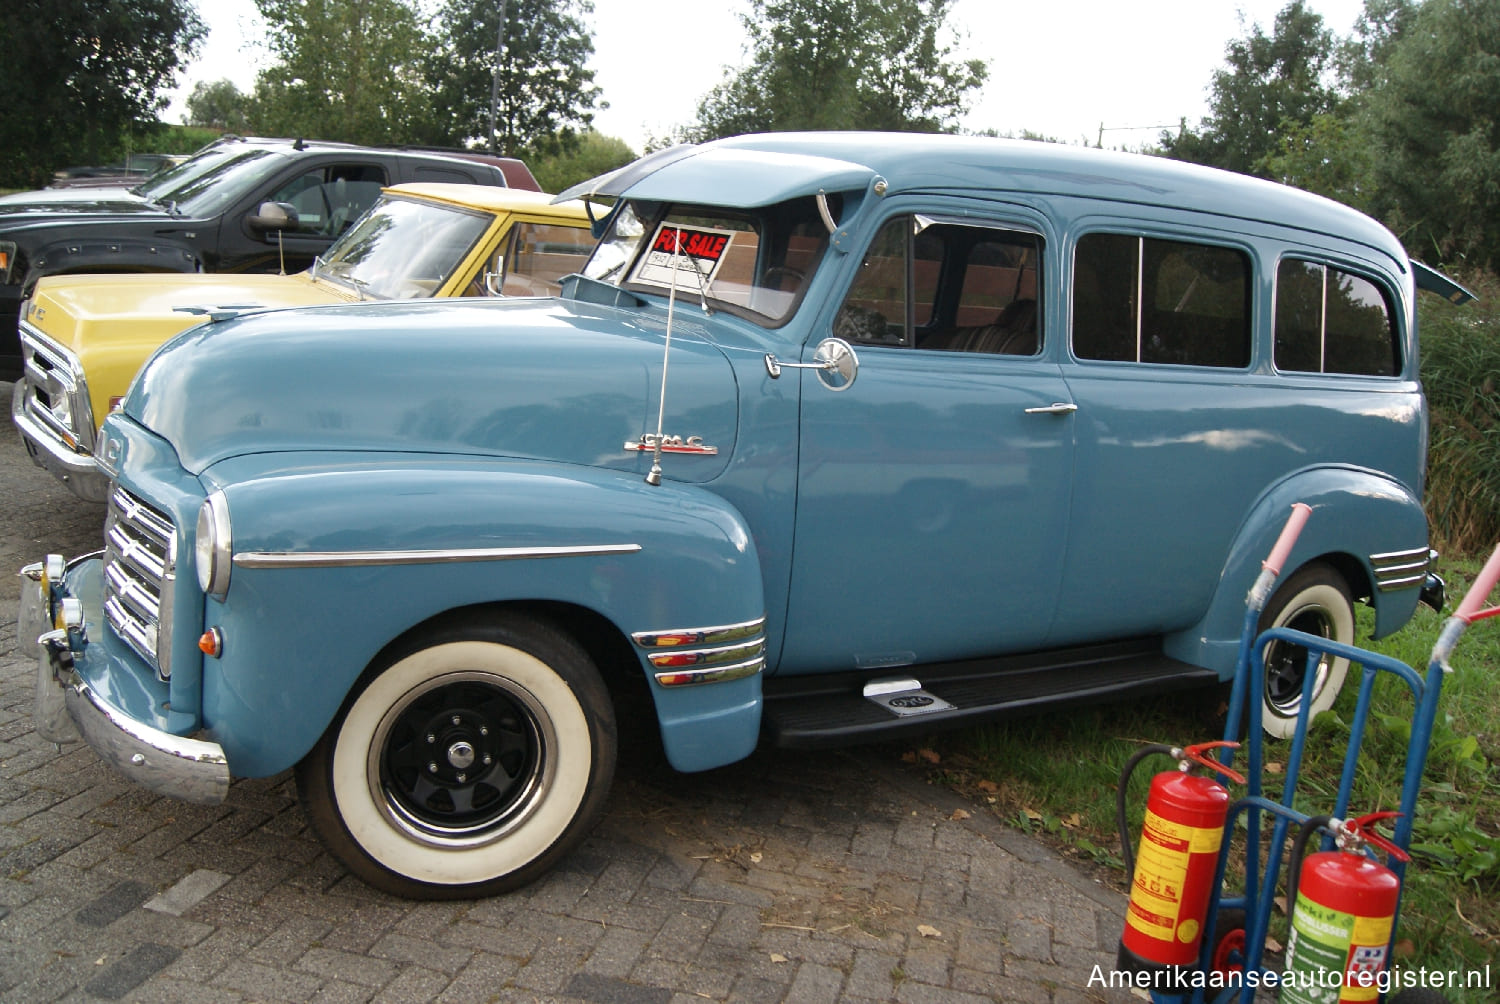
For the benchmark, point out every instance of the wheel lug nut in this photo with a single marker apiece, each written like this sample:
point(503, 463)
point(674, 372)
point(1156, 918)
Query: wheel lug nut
point(488, 760)
point(432, 767)
point(456, 720)
point(483, 731)
point(432, 738)
point(463, 777)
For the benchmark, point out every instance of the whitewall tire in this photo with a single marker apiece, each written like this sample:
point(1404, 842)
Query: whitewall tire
point(466, 766)
point(1315, 600)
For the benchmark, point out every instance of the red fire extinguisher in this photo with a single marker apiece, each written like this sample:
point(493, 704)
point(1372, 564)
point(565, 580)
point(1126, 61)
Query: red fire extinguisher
point(1172, 878)
point(1344, 908)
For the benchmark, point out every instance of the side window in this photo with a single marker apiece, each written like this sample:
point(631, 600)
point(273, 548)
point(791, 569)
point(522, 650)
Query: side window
point(874, 312)
point(328, 199)
point(451, 175)
point(538, 255)
point(1331, 321)
point(1140, 299)
point(948, 287)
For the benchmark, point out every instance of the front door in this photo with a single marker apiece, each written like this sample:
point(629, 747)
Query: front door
point(933, 494)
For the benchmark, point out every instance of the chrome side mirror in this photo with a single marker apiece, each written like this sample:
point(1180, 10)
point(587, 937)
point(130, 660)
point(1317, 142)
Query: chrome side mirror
point(833, 360)
point(273, 216)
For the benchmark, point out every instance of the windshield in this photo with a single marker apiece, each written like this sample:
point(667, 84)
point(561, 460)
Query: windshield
point(209, 181)
point(402, 249)
point(754, 263)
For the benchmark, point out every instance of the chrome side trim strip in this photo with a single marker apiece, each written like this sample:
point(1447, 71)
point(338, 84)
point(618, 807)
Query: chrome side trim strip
point(717, 635)
point(687, 658)
point(343, 559)
point(710, 674)
point(1400, 569)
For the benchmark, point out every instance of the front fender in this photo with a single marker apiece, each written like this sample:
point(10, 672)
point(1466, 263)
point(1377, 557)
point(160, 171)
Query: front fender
point(1357, 514)
point(110, 254)
point(331, 564)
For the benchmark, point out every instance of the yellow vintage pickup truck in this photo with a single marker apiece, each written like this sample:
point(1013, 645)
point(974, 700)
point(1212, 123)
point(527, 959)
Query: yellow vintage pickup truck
point(83, 337)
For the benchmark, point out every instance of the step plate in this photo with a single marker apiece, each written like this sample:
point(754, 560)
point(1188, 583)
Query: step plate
point(813, 710)
point(907, 703)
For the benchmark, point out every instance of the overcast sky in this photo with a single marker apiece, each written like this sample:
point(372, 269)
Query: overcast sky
point(1062, 68)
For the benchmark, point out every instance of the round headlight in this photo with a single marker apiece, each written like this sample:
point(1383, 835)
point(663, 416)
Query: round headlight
point(211, 546)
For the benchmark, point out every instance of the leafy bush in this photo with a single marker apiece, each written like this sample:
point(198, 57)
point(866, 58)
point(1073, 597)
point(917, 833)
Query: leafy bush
point(1461, 372)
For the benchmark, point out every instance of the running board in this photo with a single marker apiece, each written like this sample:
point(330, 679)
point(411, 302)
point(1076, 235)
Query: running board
point(846, 708)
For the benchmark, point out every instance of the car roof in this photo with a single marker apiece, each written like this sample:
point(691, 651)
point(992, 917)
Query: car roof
point(758, 169)
point(492, 198)
point(925, 162)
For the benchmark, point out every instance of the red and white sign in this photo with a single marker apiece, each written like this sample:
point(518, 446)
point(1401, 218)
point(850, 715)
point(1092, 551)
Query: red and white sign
point(698, 252)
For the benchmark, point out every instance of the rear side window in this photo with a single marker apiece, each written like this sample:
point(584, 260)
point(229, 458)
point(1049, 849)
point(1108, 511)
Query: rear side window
point(538, 255)
point(451, 175)
point(1331, 321)
point(1144, 300)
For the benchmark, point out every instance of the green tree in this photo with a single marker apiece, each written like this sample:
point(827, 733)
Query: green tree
point(547, 93)
point(844, 64)
point(345, 70)
point(1273, 85)
point(85, 75)
point(1433, 116)
point(218, 105)
point(590, 156)
point(1381, 25)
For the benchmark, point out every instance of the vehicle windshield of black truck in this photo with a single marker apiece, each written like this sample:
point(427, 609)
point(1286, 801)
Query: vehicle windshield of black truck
point(210, 181)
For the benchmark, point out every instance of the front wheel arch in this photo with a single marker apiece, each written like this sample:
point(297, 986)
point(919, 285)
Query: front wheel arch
point(402, 789)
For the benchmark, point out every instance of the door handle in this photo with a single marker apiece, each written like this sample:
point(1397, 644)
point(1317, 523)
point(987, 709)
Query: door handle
point(1057, 408)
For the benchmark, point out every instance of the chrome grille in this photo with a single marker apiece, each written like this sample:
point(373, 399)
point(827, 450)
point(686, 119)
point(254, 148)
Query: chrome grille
point(139, 570)
point(54, 390)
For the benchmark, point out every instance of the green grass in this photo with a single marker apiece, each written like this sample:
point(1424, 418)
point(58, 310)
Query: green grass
point(1055, 775)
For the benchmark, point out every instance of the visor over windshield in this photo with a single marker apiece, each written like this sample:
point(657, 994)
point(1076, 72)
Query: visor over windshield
point(738, 229)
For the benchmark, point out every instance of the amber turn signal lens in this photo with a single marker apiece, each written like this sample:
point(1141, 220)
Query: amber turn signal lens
point(212, 643)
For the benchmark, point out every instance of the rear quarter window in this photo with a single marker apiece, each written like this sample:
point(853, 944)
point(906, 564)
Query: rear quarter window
point(1332, 321)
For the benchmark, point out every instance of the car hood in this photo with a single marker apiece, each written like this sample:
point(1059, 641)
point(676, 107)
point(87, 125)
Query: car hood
point(84, 313)
point(536, 379)
point(48, 205)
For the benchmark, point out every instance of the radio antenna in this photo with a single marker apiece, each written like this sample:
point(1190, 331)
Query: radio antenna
point(654, 477)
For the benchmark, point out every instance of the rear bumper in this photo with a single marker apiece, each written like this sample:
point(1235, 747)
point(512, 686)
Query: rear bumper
point(68, 707)
point(79, 471)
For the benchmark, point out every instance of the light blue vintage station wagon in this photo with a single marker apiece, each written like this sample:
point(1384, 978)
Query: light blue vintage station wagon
point(837, 436)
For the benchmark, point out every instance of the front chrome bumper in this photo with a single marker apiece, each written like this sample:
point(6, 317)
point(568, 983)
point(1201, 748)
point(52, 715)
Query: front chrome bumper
point(69, 708)
point(79, 471)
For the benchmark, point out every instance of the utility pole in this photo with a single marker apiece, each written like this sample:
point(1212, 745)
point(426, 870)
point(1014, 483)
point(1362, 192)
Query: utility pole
point(495, 78)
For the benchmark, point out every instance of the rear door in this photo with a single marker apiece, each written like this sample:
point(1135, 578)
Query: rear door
point(1178, 431)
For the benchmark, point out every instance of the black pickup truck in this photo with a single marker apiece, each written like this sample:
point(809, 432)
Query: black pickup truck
point(204, 215)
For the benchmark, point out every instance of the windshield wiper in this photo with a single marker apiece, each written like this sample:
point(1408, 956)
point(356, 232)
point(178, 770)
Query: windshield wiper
point(343, 278)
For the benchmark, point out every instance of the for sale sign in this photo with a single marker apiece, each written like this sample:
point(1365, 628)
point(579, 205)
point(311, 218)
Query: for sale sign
point(695, 252)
